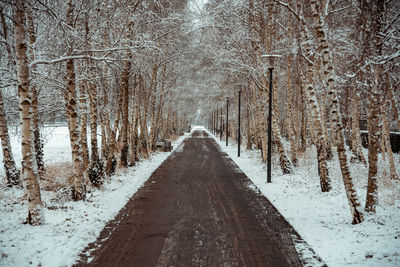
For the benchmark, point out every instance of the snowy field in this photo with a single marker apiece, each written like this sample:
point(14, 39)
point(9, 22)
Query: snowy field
point(70, 226)
point(324, 219)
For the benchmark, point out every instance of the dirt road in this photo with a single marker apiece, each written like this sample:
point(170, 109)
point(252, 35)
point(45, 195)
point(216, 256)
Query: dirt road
point(197, 209)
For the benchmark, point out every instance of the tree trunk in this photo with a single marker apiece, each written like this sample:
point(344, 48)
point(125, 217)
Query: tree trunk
point(79, 187)
point(373, 144)
point(83, 122)
point(37, 139)
point(96, 174)
point(284, 162)
point(262, 128)
point(160, 104)
point(355, 129)
point(108, 131)
point(249, 144)
point(153, 100)
point(104, 137)
point(168, 127)
point(315, 121)
point(303, 126)
point(30, 175)
point(12, 174)
point(136, 125)
point(394, 109)
point(125, 112)
point(335, 113)
point(143, 123)
point(386, 138)
point(290, 118)
point(110, 163)
point(329, 153)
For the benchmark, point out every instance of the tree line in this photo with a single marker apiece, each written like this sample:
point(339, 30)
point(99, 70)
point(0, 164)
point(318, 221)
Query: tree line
point(108, 66)
point(137, 71)
point(339, 65)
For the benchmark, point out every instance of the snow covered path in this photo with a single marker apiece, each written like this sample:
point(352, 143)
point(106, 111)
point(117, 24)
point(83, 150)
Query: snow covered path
point(70, 226)
point(323, 219)
point(198, 209)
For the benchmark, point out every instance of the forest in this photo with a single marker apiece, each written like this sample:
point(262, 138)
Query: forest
point(125, 75)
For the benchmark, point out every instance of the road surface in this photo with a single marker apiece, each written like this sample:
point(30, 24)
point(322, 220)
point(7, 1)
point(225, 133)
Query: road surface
point(197, 209)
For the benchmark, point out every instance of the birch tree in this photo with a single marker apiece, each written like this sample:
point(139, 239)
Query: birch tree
point(71, 106)
point(326, 60)
point(30, 175)
point(12, 174)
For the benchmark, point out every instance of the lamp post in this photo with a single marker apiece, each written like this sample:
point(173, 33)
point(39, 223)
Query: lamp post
point(217, 117)
point(271, 61)
point(227, 106)
point(239, 91)
point(222, 127)
point(214, 122)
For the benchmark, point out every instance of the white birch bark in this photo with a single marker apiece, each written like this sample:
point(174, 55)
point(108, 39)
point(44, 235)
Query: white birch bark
point(30, 175)
point(12, 174)
point(355, 129)
point(79, 186)
point(326, 59)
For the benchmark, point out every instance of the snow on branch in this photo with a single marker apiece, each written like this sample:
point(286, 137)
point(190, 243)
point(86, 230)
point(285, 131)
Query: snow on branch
point(385, 59)
point(61, 59)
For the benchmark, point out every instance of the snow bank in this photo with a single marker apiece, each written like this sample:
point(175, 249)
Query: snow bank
point(70, 226)
point(323, 219)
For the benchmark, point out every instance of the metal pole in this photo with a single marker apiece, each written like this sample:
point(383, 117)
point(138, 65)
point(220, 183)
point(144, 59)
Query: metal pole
point(212, 127)
point(216, 122)
point(239, 124)
point(220, 133)
point(212, 122)
point(227, 106)
point(269, 126)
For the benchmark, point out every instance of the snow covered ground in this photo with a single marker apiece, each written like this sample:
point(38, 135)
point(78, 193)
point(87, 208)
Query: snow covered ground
point(324, 219)
point(70, 226)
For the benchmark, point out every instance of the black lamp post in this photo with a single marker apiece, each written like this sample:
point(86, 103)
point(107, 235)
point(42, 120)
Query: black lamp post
point(212, 123)
point(271, 60)
point(239, 91)
point(216, 122)
point(227, 121)
point(222, 127)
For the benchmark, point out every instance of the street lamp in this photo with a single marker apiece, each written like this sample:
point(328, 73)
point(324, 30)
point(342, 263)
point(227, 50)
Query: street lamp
point(221, 127)
point(215, 122)
point(239, 91)
point(212, 123)
point(271, 59)
point(227, 121)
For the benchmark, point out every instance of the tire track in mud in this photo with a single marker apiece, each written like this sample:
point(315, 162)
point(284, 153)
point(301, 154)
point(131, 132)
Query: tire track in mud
point(197, 209)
